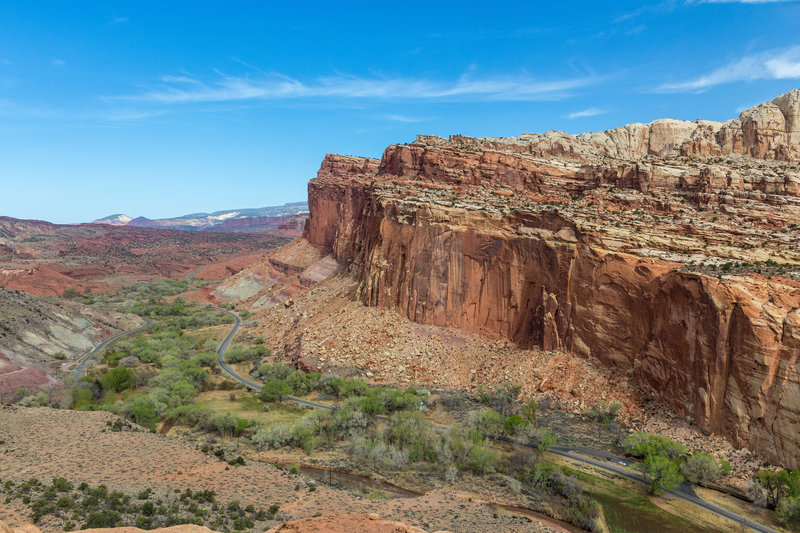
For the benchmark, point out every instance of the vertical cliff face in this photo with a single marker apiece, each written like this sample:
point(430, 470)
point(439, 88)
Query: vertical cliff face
point(541, 251)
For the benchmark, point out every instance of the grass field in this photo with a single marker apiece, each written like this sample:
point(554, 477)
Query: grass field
point(628, 508)
point(247, 405)
point(730, 503)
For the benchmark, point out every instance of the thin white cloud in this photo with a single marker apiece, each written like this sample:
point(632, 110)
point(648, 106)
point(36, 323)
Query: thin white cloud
point(226, 88)
point(739, 1)
point(58, 62)
point(591, 112)
point(394, 117)
point(118, 20)
point(667, 6)
point(771, 65)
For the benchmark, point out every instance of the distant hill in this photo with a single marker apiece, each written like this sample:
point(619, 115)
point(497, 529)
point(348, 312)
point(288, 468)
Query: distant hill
point(237, 220)
point(114, 220)
point(45, 259)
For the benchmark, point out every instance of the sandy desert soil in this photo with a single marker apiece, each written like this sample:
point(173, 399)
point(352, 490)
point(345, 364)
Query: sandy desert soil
point(45, 443)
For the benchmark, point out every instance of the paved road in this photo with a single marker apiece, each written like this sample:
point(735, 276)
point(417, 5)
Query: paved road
point(684, 492)
point(597, 458)
point(189, 276)
point(84, 362)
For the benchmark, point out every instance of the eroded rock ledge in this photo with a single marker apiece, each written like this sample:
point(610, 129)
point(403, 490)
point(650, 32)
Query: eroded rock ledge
point(669, 250)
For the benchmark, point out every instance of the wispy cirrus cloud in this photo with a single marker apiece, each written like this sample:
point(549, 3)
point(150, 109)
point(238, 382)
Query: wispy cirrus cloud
point(739, 1)
point(667, 6)
point(396, 117)
point(175, 90)
point(590, 112)
point(770, 65)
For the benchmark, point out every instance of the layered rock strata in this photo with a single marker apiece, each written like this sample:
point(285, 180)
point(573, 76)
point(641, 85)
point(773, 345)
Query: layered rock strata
point(669, 250)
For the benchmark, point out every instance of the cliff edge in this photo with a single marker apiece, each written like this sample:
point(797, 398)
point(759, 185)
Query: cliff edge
point(668, 250)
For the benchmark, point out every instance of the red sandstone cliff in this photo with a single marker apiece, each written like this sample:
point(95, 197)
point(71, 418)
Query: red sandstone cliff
point(610, 245)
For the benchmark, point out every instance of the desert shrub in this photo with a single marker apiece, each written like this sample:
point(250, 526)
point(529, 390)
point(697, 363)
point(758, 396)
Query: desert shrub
point(206, 359)
point(128, 362)
point(487, 422)
point(778, 483)
point(82, 399)
point(239, 354)
point(514, 424)
point(502, 400)
point(118, 379)
point(522, 460)
point(454, 401)
point(301, 383)
point(702, 469)
point(606, 414)
point(540, 438)
point(103, 518)
point(349, 422)
point(788, 511)
point(482, 459)
point(274, 391)
point(346, 387)
point(144, 522)
point(661, 473)
point(641, 444)
point(141, 410)
point(40, 399)
point(305, 437)
point(411, 431)
point(391, 456)
point(529, 411)
point(170, 394)
point(581, 511)
point(274, 436)
point(273, 372)
point(192, 415)
point(225, 424)
point(70, 292)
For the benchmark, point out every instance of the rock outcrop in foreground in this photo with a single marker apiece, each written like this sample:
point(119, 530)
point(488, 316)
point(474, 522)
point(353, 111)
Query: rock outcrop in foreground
point(669, 250)
point(185, 528)
point(335, 523)
point(345, 523)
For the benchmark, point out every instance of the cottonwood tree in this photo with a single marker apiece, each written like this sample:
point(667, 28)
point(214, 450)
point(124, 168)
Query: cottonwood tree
point(661, 473)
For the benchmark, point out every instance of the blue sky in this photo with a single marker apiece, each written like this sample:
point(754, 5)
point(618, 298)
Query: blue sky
point(160, 109)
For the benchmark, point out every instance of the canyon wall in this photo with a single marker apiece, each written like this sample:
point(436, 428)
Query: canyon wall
point(541, 246)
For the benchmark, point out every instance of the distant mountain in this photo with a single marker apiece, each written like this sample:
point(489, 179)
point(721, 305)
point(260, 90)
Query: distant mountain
point(114, 220)
point(241, 220)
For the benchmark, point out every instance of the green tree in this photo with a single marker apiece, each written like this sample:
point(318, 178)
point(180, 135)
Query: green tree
point(225, 424)
point(702, 469)
point(641, 444)
point(482, 459)
point(83, 399)
point(661, 473)
point(118, 379)
point(274, 391)
point(788, 511)
point(514, 424)
point(773, 482)
point(540, 438)
point(487, 422)
point(70, 292)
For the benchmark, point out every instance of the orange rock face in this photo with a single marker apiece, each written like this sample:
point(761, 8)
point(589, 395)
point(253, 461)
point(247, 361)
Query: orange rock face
point(667, 261)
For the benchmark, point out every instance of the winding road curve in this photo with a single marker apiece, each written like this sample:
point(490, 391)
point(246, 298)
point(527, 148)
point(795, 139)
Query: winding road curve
point(596, 458)
point(89, 357)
